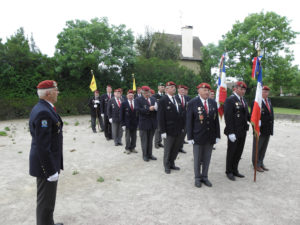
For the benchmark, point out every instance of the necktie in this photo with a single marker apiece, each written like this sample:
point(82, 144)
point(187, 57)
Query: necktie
point(119, 104)
point(108, 96)
point(131, 106)
point(54, 108)
point(267, 104)
point(243, 102)
point(148, 100)
point(174, 103)
point(182, 102)
point(205, 107)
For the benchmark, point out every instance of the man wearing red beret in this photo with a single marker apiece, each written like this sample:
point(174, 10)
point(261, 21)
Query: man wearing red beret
point(95, 104)
point(46, 157)
point(104, 100)
point(266, 130)
point(138, 92)
point(236, 116)
point(203, 131)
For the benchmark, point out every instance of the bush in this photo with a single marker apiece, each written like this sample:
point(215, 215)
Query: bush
point(286, 102)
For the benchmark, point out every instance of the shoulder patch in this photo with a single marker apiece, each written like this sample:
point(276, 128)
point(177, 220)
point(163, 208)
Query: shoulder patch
point(44, 123)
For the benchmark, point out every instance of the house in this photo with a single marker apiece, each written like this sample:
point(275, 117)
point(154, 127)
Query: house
point(190, 55)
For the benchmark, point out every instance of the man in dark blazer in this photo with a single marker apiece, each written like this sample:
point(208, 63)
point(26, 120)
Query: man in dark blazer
point(129, 122)
point(186, 93)
point(146, 108)
point(203, 131)
point(94, 104)
point(113, 114)
point(157, 135)
point(266, 130)
point(138, 94)
point(46, 157)
point(183, 100)
point(104, 100)
point(171, 126)
point(236, 116)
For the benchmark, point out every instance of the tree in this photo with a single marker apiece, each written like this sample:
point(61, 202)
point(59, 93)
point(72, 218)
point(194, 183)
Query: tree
point(273, 33)
point(96, 45)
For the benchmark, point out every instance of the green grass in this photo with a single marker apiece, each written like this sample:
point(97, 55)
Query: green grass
point(286, 111)
point(7, 129)
point(76, 123)
point(3, 133)
point(100, 179)
point(75, 172)
point(66, 123)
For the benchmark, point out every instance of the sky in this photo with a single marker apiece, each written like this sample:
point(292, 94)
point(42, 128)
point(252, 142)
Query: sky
point(211, 19)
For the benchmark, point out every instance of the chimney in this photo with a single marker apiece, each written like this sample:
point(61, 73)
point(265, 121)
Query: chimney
point(187, 41)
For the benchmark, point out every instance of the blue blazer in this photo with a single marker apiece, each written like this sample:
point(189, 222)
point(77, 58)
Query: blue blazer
point(128, 117)
point(147, 118)
point(46, 156)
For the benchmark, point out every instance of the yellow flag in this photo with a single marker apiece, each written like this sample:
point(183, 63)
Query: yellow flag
point(133, 86)
point(93, 85)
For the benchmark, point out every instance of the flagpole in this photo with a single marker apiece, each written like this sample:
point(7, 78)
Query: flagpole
point(97, 118)
point(256, 134)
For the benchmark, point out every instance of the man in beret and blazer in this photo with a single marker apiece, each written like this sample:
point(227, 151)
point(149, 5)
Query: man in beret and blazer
point(203, 131)
point(95, 104)
point(236, 116)
point(129, 122)
point(104, 100)
point(171, 126)
point(46, 153)
point(147, 108)
point(157, 136)
point(266, 130)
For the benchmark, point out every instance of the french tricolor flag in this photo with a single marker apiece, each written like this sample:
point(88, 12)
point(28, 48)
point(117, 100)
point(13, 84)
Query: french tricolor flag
point(256, 112)
point(221, 93)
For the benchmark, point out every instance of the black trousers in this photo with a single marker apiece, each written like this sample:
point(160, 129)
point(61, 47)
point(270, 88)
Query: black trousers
point(234, 153)
point(147, 142)
point(130, 136)
point(263, 142)
point(46, 195)
point(202, 156)
point(157, 137)
point(107, 128)
point(93, 122)
point(171, 148)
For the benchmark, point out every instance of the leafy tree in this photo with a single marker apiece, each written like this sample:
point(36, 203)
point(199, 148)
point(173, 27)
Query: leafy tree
point(96, 45)
point(273, 33)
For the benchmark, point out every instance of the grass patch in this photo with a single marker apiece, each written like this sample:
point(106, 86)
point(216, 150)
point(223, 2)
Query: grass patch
point(3, 133)
point(76, 123)
point(118, 180)
point(100, 179)
point(20, 152)
point(75, 172)
point(74, 138)
point(286, 111)
point(7, 129)
point(66, 123)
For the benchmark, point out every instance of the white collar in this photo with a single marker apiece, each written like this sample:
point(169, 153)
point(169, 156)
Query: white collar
point(50, 103)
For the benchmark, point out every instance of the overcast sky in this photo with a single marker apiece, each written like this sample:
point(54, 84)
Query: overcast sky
point(210, 18)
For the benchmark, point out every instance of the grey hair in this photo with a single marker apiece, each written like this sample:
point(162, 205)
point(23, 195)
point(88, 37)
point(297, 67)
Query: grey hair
point(43, 92)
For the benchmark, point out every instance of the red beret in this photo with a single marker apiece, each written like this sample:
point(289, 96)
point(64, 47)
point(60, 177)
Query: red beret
point(170, 83)
point(152, 91)
point(47, 84)
point(266, 88)
point(130, 92)
point(180, 86)
point(203, 85)
point(145, 88)
point(96, 91)
point(241, 84)
point(186, 87)
point(117, 90)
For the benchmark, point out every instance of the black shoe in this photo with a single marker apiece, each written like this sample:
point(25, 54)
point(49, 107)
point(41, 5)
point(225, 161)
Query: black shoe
point(107, 139)
point(182, 151)
point(230, 176)
point(167, 171)
point(120, 144)
point(207, 183)
point(116, 144)
point(152, 157)
point(175, 168)
point(101, 130)
point(214, 148)
point(146, 159)
point(237, 174)
point(160, 145)
point(264, 168)
point(59, 224)
point(198, 184)
point(94, 131)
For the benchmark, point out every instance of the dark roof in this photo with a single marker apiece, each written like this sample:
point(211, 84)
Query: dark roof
point(197, 44)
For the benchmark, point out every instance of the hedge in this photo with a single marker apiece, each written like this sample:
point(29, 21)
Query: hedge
point(21, 107)
point(286, 102)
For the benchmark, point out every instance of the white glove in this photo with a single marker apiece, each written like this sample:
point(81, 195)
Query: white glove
point(191, 142)
point(164, 135)
point(95, 106)
point(102, 114)
point(259, 123)
point(232, 137)
point(96, 101)
point(53, 178)
point(124, 128)
point(155, 106)
point(110, 120)
point(217, 140)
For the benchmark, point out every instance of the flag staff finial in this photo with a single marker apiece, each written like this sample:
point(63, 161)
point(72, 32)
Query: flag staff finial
point(258, 48)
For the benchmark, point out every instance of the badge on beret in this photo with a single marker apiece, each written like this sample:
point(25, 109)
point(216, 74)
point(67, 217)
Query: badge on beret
point(44, 123)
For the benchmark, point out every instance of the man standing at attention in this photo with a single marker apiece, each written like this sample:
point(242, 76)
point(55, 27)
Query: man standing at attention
point(46, 157)
point(157, 134)
point(236, 117)
point(203, 131)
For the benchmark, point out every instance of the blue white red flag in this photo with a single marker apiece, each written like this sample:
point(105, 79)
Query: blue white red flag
point(221, 93)
point(256, 111)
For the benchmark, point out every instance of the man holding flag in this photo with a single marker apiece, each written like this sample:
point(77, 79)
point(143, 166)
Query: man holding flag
point(221, 94)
